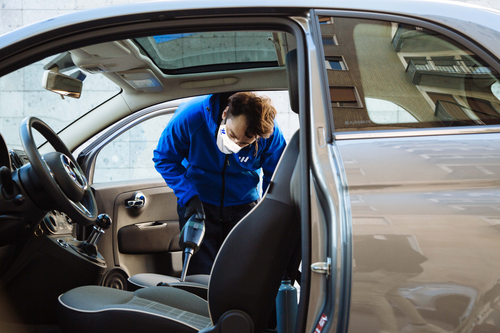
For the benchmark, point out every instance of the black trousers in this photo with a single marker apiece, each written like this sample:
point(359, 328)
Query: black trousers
point(218, 223)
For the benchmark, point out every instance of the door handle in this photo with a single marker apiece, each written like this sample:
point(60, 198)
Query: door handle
point(137, 201)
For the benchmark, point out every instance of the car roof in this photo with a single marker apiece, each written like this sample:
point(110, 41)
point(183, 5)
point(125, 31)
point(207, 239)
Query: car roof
point(472, 20)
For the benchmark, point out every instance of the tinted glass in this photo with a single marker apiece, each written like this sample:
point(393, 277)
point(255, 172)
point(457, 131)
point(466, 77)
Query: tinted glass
point(234, 49)
point(406, 77)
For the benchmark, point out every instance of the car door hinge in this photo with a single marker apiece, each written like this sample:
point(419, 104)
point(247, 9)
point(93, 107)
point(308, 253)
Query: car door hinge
point(323, 267)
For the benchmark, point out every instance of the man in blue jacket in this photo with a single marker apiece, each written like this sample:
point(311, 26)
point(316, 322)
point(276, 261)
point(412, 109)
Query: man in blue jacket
point(211, 154)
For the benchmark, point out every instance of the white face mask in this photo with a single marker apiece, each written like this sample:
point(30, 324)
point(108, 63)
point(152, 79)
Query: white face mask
point(224, 143)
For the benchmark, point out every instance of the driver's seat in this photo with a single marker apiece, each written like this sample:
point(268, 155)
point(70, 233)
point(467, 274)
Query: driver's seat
point(243, 284)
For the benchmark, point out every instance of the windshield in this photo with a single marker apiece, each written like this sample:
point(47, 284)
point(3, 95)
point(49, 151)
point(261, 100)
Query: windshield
point(22, 95)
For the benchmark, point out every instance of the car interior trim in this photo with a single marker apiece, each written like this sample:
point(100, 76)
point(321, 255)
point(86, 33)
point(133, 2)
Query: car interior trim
point(108, 34)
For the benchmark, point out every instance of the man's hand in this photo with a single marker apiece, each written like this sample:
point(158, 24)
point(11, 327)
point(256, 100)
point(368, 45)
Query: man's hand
point(194, 206)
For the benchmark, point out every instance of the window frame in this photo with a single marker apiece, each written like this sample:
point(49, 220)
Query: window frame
point(130, 126)
point(87, 154)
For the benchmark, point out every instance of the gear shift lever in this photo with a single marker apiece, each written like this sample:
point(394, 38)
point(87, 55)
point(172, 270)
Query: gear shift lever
point(102, 223)
point(190, 240)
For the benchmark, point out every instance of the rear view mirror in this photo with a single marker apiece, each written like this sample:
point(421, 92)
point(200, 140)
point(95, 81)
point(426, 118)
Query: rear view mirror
point(62, 84)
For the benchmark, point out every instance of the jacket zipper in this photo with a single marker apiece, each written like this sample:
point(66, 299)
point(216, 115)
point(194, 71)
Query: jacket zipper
point(226, 163)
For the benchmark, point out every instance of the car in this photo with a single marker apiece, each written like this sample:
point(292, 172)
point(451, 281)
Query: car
point(385, 206)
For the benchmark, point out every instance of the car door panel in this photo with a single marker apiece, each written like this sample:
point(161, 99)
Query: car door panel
point(436, 198)
point(142, 240)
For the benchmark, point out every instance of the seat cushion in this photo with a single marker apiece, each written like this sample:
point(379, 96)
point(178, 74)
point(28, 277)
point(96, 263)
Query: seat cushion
point(155, 309)
point(151, 280)
point(195, 284)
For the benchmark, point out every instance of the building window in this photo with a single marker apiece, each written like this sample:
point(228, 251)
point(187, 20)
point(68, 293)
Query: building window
point(330, 40)
point(336, 63)
point(483, 109)
point(345, 97)
point(325, 20)
point(464, 110)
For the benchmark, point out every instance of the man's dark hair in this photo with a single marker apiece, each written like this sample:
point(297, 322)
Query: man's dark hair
point(259, 112)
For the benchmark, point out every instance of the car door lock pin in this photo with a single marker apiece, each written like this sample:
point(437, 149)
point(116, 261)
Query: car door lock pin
point(323, 267)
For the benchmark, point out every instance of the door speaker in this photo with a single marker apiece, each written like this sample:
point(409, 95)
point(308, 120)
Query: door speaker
point(115, 278)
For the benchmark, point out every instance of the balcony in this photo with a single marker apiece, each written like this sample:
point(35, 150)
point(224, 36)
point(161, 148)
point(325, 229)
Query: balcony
point(428, 72)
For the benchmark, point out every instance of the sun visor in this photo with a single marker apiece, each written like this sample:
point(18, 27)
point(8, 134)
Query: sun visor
point(142, 79)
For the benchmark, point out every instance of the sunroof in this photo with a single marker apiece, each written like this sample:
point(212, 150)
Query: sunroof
point(211, 51)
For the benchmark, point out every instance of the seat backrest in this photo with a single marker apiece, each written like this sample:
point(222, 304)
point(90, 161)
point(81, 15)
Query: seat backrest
point(252, 261)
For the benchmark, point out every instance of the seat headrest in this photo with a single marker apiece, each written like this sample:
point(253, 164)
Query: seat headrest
point(292, 74)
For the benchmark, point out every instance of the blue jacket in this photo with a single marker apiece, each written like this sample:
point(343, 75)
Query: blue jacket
point(188, 158)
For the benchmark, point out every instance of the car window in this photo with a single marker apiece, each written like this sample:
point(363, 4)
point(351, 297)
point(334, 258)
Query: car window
point(208, 51)
point(384, 75)
point(129, 156)
point(22, 95)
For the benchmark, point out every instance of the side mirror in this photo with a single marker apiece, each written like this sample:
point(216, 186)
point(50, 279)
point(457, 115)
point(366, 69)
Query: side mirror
point(62, 84)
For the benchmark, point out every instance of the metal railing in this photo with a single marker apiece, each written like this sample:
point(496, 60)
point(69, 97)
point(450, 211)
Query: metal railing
point(452, 66)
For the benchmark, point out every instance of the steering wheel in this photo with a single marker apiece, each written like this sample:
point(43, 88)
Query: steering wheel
point(59, 174)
